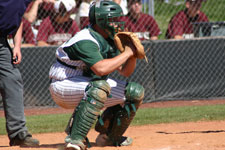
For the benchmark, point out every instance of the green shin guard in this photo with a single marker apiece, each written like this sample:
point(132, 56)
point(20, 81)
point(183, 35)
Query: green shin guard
point(107, 119)
point(117, 118)
point(87, 111)
point(121, 122)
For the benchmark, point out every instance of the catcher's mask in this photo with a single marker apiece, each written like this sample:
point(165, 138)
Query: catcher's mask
point(106, 14)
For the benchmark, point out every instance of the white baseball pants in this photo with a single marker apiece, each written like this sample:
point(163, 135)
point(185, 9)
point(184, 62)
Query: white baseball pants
point(69, 92)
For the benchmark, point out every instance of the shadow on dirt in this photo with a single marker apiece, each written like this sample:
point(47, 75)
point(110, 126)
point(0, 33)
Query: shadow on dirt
point(208, 131)
point(42, 146)
point(60, 146)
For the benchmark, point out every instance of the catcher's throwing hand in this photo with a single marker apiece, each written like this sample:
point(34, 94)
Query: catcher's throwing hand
point(130, 39)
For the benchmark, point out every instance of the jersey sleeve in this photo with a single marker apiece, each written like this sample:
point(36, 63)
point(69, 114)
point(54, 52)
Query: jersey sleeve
point(84, 50)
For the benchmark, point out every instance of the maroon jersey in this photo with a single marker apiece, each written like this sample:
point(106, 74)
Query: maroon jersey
point(54, 33)
point(28, 35)
point(44, 10)
point(145, 27)
point(181, 24)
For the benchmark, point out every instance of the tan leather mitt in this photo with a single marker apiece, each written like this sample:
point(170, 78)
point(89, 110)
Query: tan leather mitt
point(122, 39)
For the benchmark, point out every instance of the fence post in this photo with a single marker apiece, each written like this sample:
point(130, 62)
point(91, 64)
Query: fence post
point(151, 7)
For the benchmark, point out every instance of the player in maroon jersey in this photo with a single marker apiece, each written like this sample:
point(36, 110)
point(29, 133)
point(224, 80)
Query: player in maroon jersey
point(28, 35)
point(55, 30)
point(181, 26)
point(142, 24)
point(36, 11)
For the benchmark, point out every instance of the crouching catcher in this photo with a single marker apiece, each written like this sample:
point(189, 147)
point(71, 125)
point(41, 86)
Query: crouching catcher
point(79, 79)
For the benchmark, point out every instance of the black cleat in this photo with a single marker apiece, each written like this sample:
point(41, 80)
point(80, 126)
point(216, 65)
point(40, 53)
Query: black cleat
point(24, 139)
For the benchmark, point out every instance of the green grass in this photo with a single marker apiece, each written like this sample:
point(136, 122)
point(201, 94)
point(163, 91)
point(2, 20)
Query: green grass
point(180, 114)
point(214, 9)
point(58, 122)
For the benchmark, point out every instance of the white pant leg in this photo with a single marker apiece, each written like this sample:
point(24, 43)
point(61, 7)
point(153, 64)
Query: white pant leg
point(69, 92)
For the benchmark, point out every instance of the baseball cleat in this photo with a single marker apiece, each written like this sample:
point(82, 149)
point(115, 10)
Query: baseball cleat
point(103, 140)
point(71, 146)
point(24, 139)
point(125, 141)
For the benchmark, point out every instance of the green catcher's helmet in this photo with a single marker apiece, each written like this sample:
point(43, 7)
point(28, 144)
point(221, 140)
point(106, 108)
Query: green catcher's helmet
point(106, 15)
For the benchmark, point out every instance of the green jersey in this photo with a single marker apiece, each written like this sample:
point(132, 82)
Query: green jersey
point(85, 49)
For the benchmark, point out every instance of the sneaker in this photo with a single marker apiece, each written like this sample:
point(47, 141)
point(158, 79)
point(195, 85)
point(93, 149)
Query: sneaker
point(75, 145)
point(68, 139)
point(71, 146)
point(104, 140)
point(24, 139)
point(125, 141)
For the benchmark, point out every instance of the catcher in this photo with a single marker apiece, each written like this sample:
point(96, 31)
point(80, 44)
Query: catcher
point(79, 79)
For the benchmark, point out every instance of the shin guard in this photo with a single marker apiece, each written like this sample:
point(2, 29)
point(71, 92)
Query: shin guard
point(87, 111)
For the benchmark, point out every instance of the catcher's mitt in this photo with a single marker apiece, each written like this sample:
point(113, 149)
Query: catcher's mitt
point(122, 39)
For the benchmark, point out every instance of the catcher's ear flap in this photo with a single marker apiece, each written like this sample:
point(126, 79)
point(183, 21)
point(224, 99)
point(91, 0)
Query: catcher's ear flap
point(91, 13)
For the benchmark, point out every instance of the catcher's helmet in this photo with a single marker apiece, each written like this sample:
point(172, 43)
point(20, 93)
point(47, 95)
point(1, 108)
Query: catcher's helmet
point(106, 15)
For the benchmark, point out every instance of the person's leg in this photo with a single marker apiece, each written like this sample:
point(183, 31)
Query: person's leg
point(86, 113)
point(118, 118)
point(69, 92)
point(11, 88)
point(117, 94)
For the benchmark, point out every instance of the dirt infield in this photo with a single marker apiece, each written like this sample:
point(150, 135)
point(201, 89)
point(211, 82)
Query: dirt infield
point(181, 136)
point(175, 136)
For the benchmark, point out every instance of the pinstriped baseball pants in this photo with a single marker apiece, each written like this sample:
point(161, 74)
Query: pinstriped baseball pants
point(69, 92)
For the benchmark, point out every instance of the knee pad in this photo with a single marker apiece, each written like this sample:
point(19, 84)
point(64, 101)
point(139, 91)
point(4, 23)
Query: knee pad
point(97, 91)
point(134, 92)
point(89, 108)
point(134, 95)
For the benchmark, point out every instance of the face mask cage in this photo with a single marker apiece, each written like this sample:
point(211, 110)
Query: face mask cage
point(113, 25)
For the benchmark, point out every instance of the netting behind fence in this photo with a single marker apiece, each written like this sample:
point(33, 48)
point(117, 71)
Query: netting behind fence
point(52, 26)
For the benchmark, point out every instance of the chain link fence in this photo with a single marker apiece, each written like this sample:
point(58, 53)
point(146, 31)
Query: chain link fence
point(164, 10)
point(177, 69)
point(53, 26)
